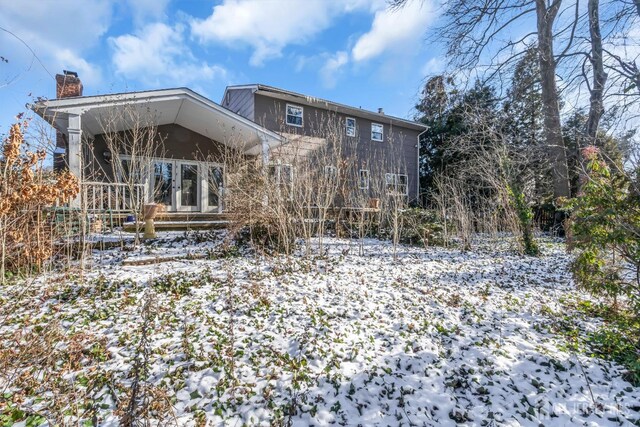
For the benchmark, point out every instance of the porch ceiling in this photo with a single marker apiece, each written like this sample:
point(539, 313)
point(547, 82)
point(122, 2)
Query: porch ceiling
point(170, 106)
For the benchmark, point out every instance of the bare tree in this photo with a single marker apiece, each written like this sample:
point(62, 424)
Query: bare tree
point(132, 151)
point(596, 107)
point(550, 99)
point(473, 31)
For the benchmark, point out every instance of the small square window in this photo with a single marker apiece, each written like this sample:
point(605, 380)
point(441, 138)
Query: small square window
point(363, 182)
point(351, 126)
point(330, 172)
point(294, 115)
point(377, 132)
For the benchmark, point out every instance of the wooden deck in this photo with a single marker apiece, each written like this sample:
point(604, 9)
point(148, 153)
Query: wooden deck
point(177, 221)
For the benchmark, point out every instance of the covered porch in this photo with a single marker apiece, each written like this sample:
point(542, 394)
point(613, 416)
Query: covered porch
point(179, 178)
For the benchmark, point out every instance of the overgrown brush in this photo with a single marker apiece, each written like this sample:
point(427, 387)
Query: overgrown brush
point(26, 191)
point(421, 226)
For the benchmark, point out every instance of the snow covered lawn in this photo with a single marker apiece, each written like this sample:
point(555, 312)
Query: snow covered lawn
point(438, 337)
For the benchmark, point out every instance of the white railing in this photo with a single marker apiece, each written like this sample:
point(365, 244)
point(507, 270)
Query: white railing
point(113, 196)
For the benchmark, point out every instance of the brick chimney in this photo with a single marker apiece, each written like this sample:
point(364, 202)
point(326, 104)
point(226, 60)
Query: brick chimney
point(67, 85)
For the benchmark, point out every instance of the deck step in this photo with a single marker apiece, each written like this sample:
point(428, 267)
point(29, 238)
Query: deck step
point(179, 225)
point(192, 216)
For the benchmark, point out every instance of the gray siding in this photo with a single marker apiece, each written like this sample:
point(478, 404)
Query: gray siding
point(398, 151)
point(178, 143)
point(240, 101)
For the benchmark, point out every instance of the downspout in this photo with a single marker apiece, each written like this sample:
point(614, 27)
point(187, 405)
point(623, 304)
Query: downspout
point(418, 164)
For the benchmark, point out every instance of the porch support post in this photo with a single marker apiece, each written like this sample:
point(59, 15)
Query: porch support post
point(265, 163)
point(74, 147)
point(265, 151)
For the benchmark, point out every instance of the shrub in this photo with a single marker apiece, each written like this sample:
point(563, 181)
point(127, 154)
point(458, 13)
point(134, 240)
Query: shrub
point(605, 225)
point(421, 226)
point(524, 214)
point(26, 191)
point(266, 236)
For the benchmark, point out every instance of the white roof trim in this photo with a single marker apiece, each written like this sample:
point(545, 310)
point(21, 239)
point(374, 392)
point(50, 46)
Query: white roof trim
point(79, 105)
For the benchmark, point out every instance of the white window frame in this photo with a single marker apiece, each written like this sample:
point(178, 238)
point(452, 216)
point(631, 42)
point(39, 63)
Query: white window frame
point(360, 173)
point(278, 167)
point(389, 181)
point(350, 130)
point(301, 115)
point(330, 171)
point(406, 185)
point(381, 132)
point(394, 182)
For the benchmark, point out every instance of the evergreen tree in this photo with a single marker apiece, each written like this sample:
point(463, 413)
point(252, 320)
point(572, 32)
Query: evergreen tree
point(523, 120)
point(450, 114)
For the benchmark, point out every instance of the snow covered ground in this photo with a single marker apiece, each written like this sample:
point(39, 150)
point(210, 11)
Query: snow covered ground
point(437, 337)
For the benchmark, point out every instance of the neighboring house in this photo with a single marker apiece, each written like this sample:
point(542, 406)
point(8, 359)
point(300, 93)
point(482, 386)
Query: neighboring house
point(187, 175)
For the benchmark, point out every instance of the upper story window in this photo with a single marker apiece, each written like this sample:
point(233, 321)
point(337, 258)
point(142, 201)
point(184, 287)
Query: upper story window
point(351, 126)
point(377, 132)
point(294, 115)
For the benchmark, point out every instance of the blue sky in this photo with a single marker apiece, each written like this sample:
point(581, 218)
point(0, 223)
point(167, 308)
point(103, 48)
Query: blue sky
point(356, 52)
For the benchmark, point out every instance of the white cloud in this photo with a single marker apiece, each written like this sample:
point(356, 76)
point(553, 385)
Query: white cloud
point(144, 11)
point(158, 55)
point(398, 31)
point(59, 32)
point(89, 73)
point(433, 66)
point(332, 67)
point(269, 26)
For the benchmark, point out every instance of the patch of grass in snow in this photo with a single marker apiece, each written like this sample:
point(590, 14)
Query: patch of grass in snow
point(616, 336)
point(180, 284)
point(617, 339)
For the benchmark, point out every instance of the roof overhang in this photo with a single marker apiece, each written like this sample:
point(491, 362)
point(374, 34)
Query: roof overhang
point(181, 106)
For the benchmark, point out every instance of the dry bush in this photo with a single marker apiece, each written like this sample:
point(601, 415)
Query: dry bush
point(132, 153)
point(311, 187)
point(26, 191)
point(36, 362)
point(489, 188)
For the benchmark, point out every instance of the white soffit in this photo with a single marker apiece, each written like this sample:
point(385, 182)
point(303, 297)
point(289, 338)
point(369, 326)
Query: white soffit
point(170, 106)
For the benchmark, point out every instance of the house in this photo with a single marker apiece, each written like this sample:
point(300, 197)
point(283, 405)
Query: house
point(188, 173)
point(368, 136)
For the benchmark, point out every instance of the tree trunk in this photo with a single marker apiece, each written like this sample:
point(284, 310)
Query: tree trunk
point(551, 109)
point(596, 107)
point(637, 3)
